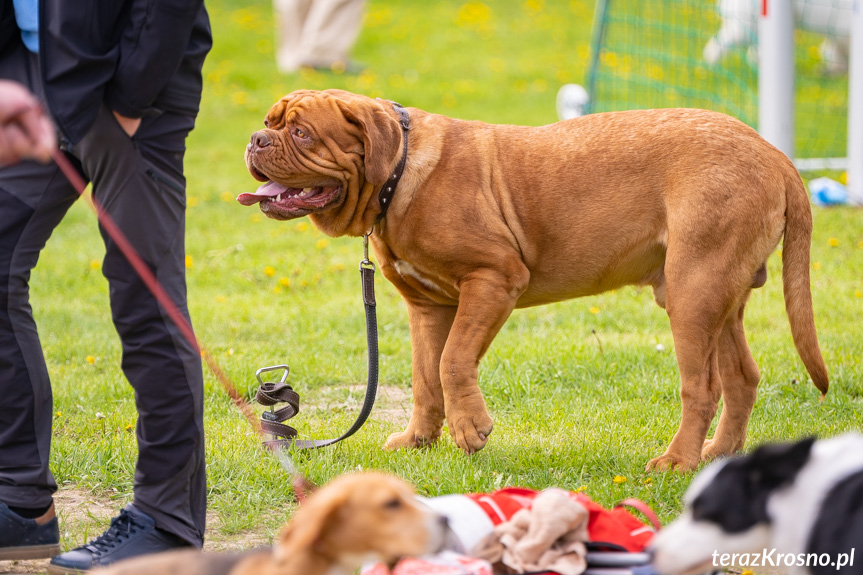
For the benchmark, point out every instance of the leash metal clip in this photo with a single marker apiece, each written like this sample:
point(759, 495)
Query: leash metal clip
point(258, 373)
point(366, 263)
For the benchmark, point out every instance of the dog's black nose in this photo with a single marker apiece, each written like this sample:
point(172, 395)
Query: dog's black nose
point(260, 140)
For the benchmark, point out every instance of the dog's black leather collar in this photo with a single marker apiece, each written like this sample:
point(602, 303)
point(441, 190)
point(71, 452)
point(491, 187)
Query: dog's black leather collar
point(388, 190)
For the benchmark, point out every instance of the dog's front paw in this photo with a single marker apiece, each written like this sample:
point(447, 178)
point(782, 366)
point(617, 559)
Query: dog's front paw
point(670, 462)
point(410, 438)
point(471, 432)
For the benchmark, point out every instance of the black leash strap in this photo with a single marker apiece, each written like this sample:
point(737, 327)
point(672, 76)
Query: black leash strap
point(271, 394)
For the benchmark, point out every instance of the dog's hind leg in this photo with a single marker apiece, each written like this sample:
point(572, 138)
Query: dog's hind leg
point(698, 298)
point(430, 326)
point(740, 377)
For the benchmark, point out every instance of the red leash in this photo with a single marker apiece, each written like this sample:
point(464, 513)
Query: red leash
point(146, 275)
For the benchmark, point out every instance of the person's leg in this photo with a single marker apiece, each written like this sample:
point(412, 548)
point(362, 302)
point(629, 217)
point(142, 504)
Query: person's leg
point(330, 32)
point(33, 200)
point(290, 17)
point(140, 183)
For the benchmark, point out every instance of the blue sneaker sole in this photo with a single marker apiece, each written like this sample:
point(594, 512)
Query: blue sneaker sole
point(58, 570)
point(29, 552)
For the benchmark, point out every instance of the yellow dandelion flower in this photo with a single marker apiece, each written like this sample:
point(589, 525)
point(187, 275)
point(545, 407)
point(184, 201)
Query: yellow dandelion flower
point(285, 282)
point(130, 426)
point(221, 299)
point(226, 197)
point(647, 480)
point(59, 414)
point(844, 178)
point(240, 97)
point(255, 218)
point(618, 479)
point(858, 293)
point(191, 201)
point(94, 264)
point(747, 572)
point(816, 266)
point(91, 360)
point(277, 289)
point(302, 226)
point(189, 262)
point(860, 245)
point(594, 310)
point(269, 271)
point(322, 243)
point(534, 5)
point(834, 242)
point(304, 283)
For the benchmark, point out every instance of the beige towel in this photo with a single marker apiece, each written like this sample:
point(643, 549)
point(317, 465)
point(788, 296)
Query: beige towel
point(549, 536)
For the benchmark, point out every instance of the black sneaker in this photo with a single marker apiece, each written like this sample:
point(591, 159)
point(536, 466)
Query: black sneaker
point(131, 534)
point(22, 538)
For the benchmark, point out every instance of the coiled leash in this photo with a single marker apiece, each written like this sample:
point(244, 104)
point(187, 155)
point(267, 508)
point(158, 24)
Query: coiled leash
point(275, 393)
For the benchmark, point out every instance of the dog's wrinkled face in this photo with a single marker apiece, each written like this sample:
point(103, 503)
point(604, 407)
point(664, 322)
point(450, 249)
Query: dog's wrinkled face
point(293, 156)
point(317, 151)
point(364, 517)
point(726, 509)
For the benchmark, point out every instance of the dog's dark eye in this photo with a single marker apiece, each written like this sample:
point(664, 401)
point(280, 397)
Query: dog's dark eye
point(300, 133)
point(393, 504)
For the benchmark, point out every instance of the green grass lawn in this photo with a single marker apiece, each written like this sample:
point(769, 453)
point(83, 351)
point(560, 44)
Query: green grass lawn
point(568, 412)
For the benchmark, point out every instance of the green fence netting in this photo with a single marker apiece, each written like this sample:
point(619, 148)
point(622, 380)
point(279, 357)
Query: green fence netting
point(651, 54)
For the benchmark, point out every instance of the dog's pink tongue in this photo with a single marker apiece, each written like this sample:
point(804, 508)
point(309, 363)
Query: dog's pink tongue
point(268, 190)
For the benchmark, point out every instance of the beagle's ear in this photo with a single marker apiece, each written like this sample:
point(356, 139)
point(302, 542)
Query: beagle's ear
point(381, 134)
point(309, 525)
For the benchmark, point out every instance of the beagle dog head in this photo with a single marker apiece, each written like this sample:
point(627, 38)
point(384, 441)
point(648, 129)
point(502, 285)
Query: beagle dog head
point(363, 517)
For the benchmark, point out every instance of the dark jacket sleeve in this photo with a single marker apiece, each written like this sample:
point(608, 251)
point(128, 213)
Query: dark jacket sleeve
point(151, 50)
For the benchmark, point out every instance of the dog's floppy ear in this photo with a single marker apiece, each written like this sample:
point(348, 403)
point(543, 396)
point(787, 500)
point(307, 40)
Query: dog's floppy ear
point(381, 136)
point(308, 527)
point(276, 115)
point(776, 465)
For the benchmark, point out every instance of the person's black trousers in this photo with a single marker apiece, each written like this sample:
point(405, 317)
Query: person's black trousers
point(140, 182)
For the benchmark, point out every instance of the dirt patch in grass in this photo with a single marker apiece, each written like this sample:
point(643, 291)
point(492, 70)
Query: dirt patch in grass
point(392, 404)
point(82, 512)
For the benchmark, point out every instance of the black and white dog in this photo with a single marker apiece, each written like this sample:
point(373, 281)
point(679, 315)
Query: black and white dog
point(789, 508)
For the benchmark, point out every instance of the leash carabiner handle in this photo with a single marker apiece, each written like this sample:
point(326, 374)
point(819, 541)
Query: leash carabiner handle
point(273, 368)
point(366, 263)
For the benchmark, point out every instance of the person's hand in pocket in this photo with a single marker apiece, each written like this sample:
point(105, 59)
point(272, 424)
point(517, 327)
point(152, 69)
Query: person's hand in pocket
point(129, 125)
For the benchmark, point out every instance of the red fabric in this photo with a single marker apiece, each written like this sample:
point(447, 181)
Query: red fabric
point(616, 526)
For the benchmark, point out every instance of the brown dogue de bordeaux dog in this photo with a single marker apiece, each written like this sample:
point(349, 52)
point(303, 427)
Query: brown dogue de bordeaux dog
point(488, 218)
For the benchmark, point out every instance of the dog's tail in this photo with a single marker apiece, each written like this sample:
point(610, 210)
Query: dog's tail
point(795, 280)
